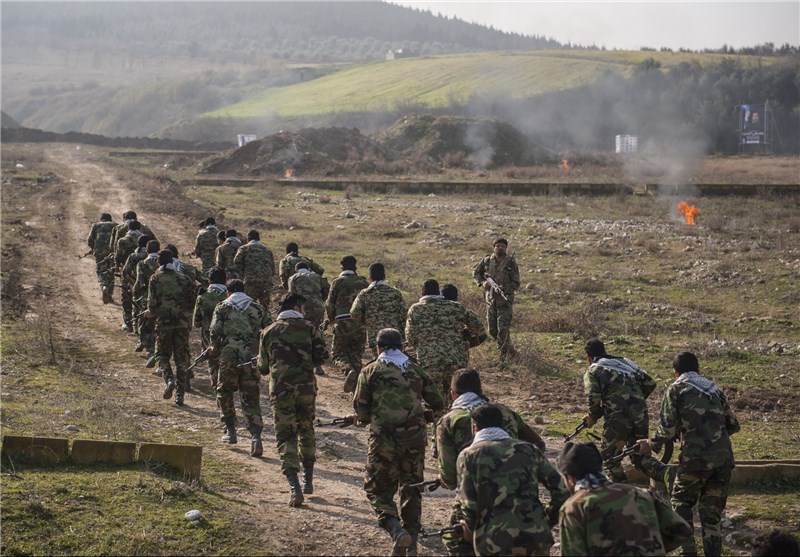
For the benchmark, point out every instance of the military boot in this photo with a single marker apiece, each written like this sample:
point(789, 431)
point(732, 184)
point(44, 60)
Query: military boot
point(230, 431)
point(107, 296)
point(256, 446)
point(308, 477)
point(412, 550)
point(319, 371)
point(151, 360)
point(169, 388)
point(296, 493)
point(401, 539)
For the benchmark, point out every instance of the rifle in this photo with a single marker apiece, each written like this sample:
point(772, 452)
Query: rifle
point(200, 359)
point(632, 450)
point(427, 485)
point(324, 325)
point(496, 287)
point(341, 422)
point(251, 362)
point(85, 254)
point(456, 529)
point(583, 425)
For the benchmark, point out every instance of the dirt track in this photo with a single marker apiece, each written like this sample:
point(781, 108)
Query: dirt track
point(337, 519)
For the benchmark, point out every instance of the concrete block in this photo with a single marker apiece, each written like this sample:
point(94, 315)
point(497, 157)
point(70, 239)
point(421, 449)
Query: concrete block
point(185, 458)
point(90, 451)
point(38, 450)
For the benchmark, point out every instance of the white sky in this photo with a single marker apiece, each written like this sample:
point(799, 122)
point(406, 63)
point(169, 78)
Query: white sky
point(631, 25)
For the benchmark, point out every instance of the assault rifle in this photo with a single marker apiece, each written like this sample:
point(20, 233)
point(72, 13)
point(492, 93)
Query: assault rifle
point(85, 254)
point(341, 422)
point(583, 425)
point(496, 287)
point(630, 451)
point(456, 529)
point(427, 485)
point(251, 362)
point(200, 359)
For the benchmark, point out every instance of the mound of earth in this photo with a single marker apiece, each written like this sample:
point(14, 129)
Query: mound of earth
point(311, 151)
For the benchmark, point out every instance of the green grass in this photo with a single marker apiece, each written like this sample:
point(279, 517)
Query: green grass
point(442, 80)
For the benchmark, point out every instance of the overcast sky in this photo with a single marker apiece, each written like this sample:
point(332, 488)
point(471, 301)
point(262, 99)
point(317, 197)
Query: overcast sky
point(631, 25)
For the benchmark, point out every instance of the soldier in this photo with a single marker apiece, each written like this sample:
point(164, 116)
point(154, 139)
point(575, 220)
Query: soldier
point(498, 490)
point(696, 409)
point(436, 328)
point(125, 246)
point(313, 289)
point(169, 301)
point(389, 397)
point(379, 306)
point(145, 269)
point(616, 389)
point(204, 305)
point(128, 278)
point(503, 270)
point(454, 434)
point(289, 263)
point(256, 266)
point(235, 327)
point(121, 229)
point(450, 292)
point(226, 251)
point(348, 335)
point(184, 268)
point(605, 518)
point(205, 245)
point(98, 240)
point(289, 350)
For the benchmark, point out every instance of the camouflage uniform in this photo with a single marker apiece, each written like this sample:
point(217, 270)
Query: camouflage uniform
point(204, 306)
point(498, 491)
point(98, 240)
point(436, 328)
point(389, 399)
point(453, 435)
point(170, 298)
point(619, 519)
point(348, 335)
point(121, 230)
point(147, 327)
point(128, 279)
point(499, 312)
point(224, 255)
point(696, 409)
point(289, 350)
point(256, 267)
point(234, 330)
point(126, 245)
point(379, 306)
point(616, 389)
point(205, 246)
point(290, 261)
point(310, 286)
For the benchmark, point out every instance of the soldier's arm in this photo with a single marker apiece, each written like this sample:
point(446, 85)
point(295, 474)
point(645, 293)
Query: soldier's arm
point(357, 310)
point(646, 383)
point(668, 419)
point(362, 399)
point(285, 273)
point(674, 530)
point(572, 532)
point(513, 276)
point(270, 263)
point(330, 304)
point(118, 256)
point(474, 324)
point(152, 302)
point(411, 327)
point(594, 394)
point(402, 313)
point(467, 496)
point(218, 258)
point(316, 267)
point(92, 234)
point(197, 315)
point(527, 433)
point(479, 272)
point(552, 480)
point(198, 245)
point(262, 362)
point(431, 393)
point(239, 259)
point(731, 423)
point(448, 453)
point(319, 350)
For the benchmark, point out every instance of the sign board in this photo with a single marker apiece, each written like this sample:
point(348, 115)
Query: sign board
point(244, 139)
point(753, 119)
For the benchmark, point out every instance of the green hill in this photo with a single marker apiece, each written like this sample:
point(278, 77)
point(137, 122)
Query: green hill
point(440, 81)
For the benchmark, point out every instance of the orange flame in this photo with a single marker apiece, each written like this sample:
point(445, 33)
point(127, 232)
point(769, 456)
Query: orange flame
point(565, 165)
point(288, 174)
point(689, 212)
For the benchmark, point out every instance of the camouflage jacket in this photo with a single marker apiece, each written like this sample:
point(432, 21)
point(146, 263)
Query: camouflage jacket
point(129, 269)
point(125, 247)
point(619, 519)
point(288, 263)
point(344, 289)
point(498, 491)
point(390, 401)
point(144, 270)
point(100, 238)
point(188, 270)
point(235, 328)
point(121, 230)
point(204, 306)
point(454, 434)
point(616, 388)
point(289, 350)
point(504, 272)
point(377, 307)
point(254, 263)
point(205, 245)
point(224, 255)
point(309, 285)
point(170, 299)
point(438, 328)
point(697, 411)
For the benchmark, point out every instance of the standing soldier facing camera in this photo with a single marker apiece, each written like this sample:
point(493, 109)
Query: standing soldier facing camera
point(498, 275)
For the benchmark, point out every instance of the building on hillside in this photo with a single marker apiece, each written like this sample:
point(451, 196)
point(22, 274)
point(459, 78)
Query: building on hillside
point(396, 53)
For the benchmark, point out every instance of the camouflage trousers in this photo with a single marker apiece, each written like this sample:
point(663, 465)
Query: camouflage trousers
point(147, 334)
point(233, 378)
point(294, 430)
point(441, 374)
point(498, 316)
point(207, 262)
point(127, 303)
point(314, 313)
point(260, 292)
point(105, 272)
point(709, 490)
point(619, 434)
point(173, 343)
point(388, 468)
point(348, 343)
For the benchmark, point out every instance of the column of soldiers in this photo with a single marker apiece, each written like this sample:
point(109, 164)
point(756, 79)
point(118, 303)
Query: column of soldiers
point(486, 452)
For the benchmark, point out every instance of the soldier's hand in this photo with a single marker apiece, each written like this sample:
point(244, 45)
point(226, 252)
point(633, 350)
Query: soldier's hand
point(644, 446)
point(213, 351)
point(466, 532)
point(589, 420)
point(486, 285)
point(148, 314)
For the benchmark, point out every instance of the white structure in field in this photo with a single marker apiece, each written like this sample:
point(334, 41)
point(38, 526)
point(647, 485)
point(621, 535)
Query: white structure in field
point(244, 139)
point(627, 143)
